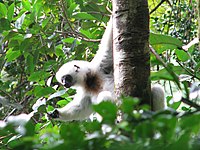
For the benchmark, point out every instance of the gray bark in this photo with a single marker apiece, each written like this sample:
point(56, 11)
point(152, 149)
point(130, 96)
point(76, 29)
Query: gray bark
point(131, 48)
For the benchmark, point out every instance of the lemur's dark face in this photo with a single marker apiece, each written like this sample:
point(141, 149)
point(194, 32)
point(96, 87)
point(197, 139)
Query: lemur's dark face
point(67, 81)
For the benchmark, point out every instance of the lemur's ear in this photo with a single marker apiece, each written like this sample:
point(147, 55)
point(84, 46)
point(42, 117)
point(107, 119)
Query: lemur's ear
point(77, 68)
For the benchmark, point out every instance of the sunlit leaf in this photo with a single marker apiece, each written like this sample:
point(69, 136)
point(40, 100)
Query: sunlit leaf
point(43, 91)
point(163, 42)
point(3, 10)
point(107, 110)
point(182, 55)
point(12, 55)
point(26, 4)
point(11, 11)
point(83, 15)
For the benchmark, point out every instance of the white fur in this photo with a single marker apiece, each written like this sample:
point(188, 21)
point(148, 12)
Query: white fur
point(81, 106)
point(158, 97)
point(69, 68)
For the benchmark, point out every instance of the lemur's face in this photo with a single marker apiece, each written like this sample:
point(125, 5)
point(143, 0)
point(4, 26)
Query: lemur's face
point(72, 73)
point(67, 80)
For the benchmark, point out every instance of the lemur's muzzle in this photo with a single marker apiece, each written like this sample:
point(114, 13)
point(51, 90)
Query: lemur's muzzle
point(67, 81)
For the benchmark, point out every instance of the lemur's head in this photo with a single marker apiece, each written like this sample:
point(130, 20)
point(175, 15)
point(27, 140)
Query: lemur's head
point(73, 73)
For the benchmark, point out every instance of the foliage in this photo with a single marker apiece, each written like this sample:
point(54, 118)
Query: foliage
point(37, 37)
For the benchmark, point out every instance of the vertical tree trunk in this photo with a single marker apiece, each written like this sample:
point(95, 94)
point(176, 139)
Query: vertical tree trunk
point(131, 48)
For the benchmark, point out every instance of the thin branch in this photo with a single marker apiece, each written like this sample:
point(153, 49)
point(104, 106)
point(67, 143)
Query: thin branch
point(8, 95)
point(19, 86)
point(176, 80)
point(162, 1)
point(157, 56)
point(190, 103)
point(6, 136)
point(78, 36)
point(65, 15)
point(107, 8)
point(188, 71)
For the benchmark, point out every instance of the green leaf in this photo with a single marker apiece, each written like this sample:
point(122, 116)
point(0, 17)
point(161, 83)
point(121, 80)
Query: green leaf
point(12, 55)
point(39, 75)
point(129, 103)
point(197, 68)
point(61, 103)
point(70, 132)
point(107, 110)
point(164, 73)
point(41, 91)
point(144, 130)
point(3, 10)
point(4, 25)
point(30, 64)
point(45, 22)
point(68, 40)
point(59, 51)
point(11, 11)
point(182, 55)
point(84, 16)
point(163, 42)
point(26, 4)
point(30, 128)
point(71, 9)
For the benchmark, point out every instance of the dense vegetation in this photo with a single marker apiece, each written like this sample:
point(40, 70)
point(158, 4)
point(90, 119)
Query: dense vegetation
point(37, 37)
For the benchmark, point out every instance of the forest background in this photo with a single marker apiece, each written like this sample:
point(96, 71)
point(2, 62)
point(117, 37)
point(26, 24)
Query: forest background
point(37, 37)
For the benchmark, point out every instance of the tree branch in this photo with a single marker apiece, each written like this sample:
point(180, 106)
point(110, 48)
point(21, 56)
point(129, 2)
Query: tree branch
point(176, 80)
point(77, 35)
point(190, 103)
point(162, 1)
point(65, 15)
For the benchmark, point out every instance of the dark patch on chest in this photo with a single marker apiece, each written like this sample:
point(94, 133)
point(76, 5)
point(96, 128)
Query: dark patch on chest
point(93, 82)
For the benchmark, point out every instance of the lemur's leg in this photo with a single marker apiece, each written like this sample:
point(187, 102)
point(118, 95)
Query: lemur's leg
point(77, 109)
point(104, 96)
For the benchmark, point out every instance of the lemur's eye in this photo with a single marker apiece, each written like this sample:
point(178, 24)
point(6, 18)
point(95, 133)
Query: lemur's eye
point(77, 68)
point(67, 81)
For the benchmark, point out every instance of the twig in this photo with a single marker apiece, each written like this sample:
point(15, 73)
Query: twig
point(188, 71)
point(176, 80)
point(162, 1)
point(20, 85)
point(190, 103)
point(77, 35)
point(2, 137)
point(107, 8)
point(157, 56)
point(65, 15)
point(10, 113)
point(7, 94)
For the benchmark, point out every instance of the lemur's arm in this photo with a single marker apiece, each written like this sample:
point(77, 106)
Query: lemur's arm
point(78, 109)
point(103, 59)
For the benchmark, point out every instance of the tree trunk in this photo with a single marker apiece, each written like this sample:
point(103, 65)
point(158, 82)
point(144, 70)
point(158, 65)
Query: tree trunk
point(131, 49)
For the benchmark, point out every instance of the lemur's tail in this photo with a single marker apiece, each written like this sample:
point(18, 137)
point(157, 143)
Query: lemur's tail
point(158, 97)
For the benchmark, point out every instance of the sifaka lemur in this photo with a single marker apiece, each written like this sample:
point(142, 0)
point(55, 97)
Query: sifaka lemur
point(94, 82)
